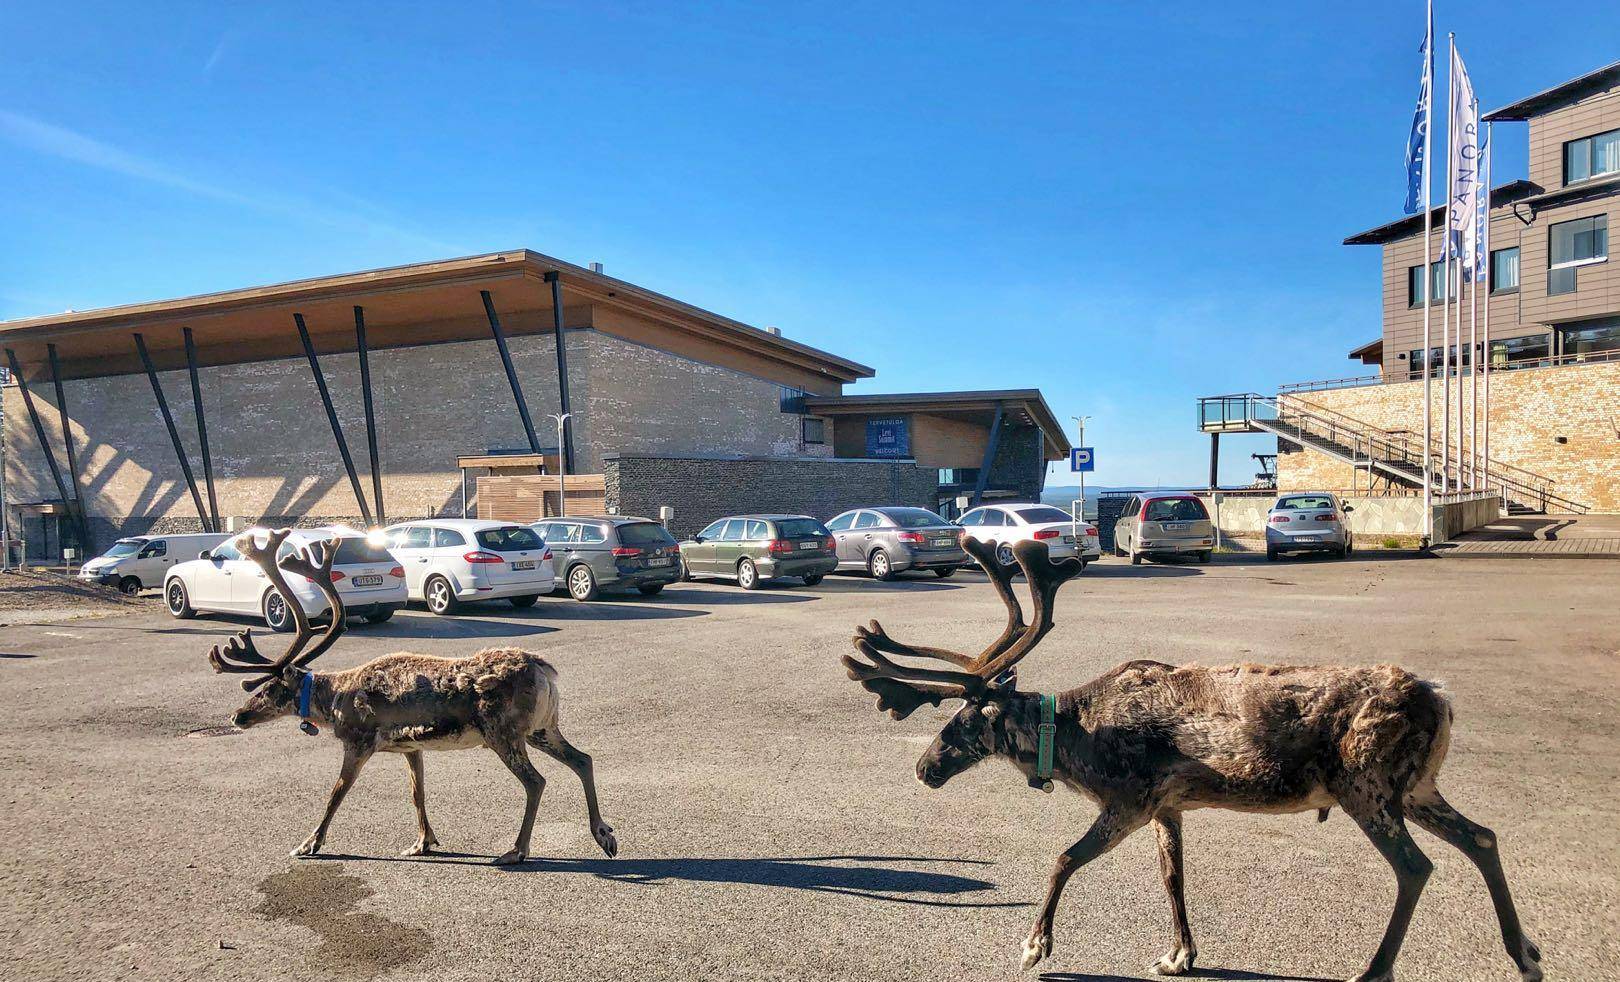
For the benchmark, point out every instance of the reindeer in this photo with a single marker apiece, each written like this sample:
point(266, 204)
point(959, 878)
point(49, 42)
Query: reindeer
point(500, 698)
point(1148, 741)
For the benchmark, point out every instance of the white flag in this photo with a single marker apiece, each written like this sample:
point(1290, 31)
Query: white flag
point(1463, 170)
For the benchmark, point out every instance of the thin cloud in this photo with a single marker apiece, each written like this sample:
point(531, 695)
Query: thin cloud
point(56, 141)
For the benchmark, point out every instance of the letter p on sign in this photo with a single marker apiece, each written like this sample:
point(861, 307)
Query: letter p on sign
point(1080, 460)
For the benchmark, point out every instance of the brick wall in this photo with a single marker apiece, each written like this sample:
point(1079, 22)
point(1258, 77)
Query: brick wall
point(1530, 410)
point(702, 489)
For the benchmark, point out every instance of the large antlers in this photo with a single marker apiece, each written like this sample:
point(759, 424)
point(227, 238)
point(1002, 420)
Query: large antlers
point(901, 688)
point(240, 656)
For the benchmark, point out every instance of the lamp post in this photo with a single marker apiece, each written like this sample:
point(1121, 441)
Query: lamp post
point(1080, 425)
point(562, 464)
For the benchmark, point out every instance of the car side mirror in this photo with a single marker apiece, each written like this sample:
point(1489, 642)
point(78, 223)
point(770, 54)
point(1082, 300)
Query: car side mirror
point(697, 538)
point(205, 554)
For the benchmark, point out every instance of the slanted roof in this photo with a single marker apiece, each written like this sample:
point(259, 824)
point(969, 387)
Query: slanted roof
point(1558, 96)
point(1371, 353)
point(1501, 196)
point(1024, 405)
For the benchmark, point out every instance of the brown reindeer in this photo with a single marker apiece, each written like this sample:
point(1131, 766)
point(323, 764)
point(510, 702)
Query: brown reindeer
point(500, 698)
point(1148, 741)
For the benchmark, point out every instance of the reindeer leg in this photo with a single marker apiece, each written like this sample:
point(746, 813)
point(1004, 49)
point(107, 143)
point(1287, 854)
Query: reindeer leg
point(1110, 828)
point(427, 840)
point(1167, 825)
point(1383, 824)
point(516, 759)
point(557, 746)
point(354, 758)
point(1433, 813)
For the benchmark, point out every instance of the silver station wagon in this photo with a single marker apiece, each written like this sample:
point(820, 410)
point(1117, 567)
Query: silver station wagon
point(1154, 525)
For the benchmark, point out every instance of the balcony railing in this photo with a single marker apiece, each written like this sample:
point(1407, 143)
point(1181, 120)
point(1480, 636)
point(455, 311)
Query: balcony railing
point(1351, 382)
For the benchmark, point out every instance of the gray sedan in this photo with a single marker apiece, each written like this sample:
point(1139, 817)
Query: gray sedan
point(886, 541)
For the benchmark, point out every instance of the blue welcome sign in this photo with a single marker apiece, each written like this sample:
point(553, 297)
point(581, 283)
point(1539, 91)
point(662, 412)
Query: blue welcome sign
point(888, 437)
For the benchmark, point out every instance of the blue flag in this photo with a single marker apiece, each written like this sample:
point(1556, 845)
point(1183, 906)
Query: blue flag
point(1417, 142)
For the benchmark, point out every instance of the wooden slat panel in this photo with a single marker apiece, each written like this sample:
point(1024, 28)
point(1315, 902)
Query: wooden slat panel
point(531, 497)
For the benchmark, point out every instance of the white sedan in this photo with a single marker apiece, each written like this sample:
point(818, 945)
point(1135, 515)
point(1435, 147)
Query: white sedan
point(449, 561)
point(370, 581)
point(1006, 524)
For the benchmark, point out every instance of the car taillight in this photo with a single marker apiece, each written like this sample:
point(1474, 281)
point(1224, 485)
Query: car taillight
point(1047, 533)
point(546, 555)
point(1279, 519)
point(398, 572)
point(337, 574)
point(780, 545)
point(626, 551)
point(916, 537)
point(482, 557)
point(831, 543)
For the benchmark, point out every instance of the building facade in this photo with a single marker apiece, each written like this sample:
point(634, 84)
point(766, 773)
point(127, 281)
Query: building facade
point(183, 414)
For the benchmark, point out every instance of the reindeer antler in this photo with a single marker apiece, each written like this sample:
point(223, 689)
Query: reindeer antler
point(240, 655)
point(901, 689)
point(315, 565)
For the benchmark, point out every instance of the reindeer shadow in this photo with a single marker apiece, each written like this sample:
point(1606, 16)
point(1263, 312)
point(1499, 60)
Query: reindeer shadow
point(813, 873)
point(1229, 974)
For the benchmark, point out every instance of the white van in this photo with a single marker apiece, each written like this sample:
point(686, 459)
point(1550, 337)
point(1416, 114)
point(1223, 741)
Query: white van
point(142, 561)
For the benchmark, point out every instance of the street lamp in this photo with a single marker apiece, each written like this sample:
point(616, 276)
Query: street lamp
point(1080, 425)
point(562, 464)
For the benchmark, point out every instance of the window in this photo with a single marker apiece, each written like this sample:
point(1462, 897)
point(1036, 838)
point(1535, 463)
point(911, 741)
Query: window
point(914, 518)
point(757, 530)
point(224, 551)
point(588, 533)
point(512, 538)
point(731, 531)
point(713, 531)
point(649, 534)
point(1536, 347)
point(972, 518)
point(1572, 245)
point(155, 549)
point(842, 521)
point(445, 538)
point(801, 528)
point(866, 520)
point(545, 530)
point(813, 430)
point(1592, 156)
point(790, 399)
point(1416, 360)
point(413, 537)
point(353, 549)
point(1415, 292)
point(1505, 270)
point(1044, 513)
point(995, 517)
point(1175, 510)
point(1589, 337)
point(1301, 502)
point(958, 475)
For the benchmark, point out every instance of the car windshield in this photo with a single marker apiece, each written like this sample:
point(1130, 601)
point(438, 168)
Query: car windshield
point(914, 518)
point(512, 538)
point(1044, 513)
point(351, 550)
point(645, 534)
point(1300, 501)
point(1176, 510)
point(801, 528)
point(124, 547)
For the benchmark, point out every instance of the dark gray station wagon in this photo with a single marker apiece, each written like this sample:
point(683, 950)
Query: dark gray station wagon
point(753, 549)
point(612, 551)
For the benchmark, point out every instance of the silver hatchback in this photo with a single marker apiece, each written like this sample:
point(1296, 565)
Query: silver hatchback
point(1311, 522)
point(886, 541)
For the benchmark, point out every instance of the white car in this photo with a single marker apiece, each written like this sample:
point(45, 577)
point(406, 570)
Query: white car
point(1007, 524)
point(449, 561)
point(222, 580)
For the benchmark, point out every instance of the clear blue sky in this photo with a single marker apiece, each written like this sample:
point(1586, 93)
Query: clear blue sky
point(1127, 206)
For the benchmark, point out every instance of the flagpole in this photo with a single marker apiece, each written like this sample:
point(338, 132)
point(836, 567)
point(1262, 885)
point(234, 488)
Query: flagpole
point(1445, 309)
point(1473, 372)
point(1490, 149)
point(1428, 286)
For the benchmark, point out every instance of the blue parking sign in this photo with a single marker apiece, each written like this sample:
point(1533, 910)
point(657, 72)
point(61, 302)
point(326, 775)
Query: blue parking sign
point(1081, 460)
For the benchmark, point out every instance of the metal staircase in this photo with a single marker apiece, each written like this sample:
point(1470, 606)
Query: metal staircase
point(1395, 456)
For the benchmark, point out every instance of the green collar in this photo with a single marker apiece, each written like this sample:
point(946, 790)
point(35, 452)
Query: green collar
point(1045, 735)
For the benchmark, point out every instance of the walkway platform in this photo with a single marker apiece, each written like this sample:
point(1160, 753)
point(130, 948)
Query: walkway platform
point(1539, 537)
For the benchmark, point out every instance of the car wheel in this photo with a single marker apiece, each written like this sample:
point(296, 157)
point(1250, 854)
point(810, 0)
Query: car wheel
point(686, 571)
point(1349, 549)
point(1004, 555)
point(878, 565)
point(945, 572)
point(1203, 557)
point(276, 614)
point(380, 616)
point(747, 575)
point(650, 589)
point(1136, 558)
point(812, 580)
point(441, 597)
point(582, 584)
point(527, 600)
point(174, 597)
point(1271, 554)
point(129, 586)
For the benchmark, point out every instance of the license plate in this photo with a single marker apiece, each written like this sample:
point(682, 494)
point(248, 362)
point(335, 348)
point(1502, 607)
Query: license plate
point(944, 543)
point(367, 581)
point(660, 561)
point(1175, 526)
point(523, 564)
point(1069, 539)
point(807, 546)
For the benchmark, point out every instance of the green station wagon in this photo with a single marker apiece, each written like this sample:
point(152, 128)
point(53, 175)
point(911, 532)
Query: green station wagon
point(753, 549)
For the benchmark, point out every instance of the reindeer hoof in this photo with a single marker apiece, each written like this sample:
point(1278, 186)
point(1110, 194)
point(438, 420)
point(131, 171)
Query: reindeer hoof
point(511, 857)
point(1037, 947)
point(1378, 977)
point(603, 833)
point(1178, 962)
point(1530, 961)
point(423, 847)
point(308, 847)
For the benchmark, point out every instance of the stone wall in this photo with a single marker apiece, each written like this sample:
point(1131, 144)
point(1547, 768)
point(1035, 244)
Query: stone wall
point(701, 489)
point(1531, 410)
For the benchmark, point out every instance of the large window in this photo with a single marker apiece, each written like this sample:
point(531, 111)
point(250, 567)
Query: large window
point(1505, 270)
point(1589, 337)
point(1571, 245)
point(813, 430)
point(1417, 361)
point(1415, 290)
point(1522, 352)
point(1592, 156)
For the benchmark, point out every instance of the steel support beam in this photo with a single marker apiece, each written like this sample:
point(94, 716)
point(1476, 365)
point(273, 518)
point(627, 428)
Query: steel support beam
point(989, 457)
point(511, 372)
point(80, 518)
point(174, 432)
point(331, 417)
point(202, 428)
point(567, 448)
point(39, 430)
point(1214, 460)
point(371, 414)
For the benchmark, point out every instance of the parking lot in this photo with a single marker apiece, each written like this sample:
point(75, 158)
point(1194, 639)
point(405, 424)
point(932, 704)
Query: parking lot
point(768, 820)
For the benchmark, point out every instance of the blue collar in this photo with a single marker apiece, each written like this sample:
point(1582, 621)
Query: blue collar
point(306, 688)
